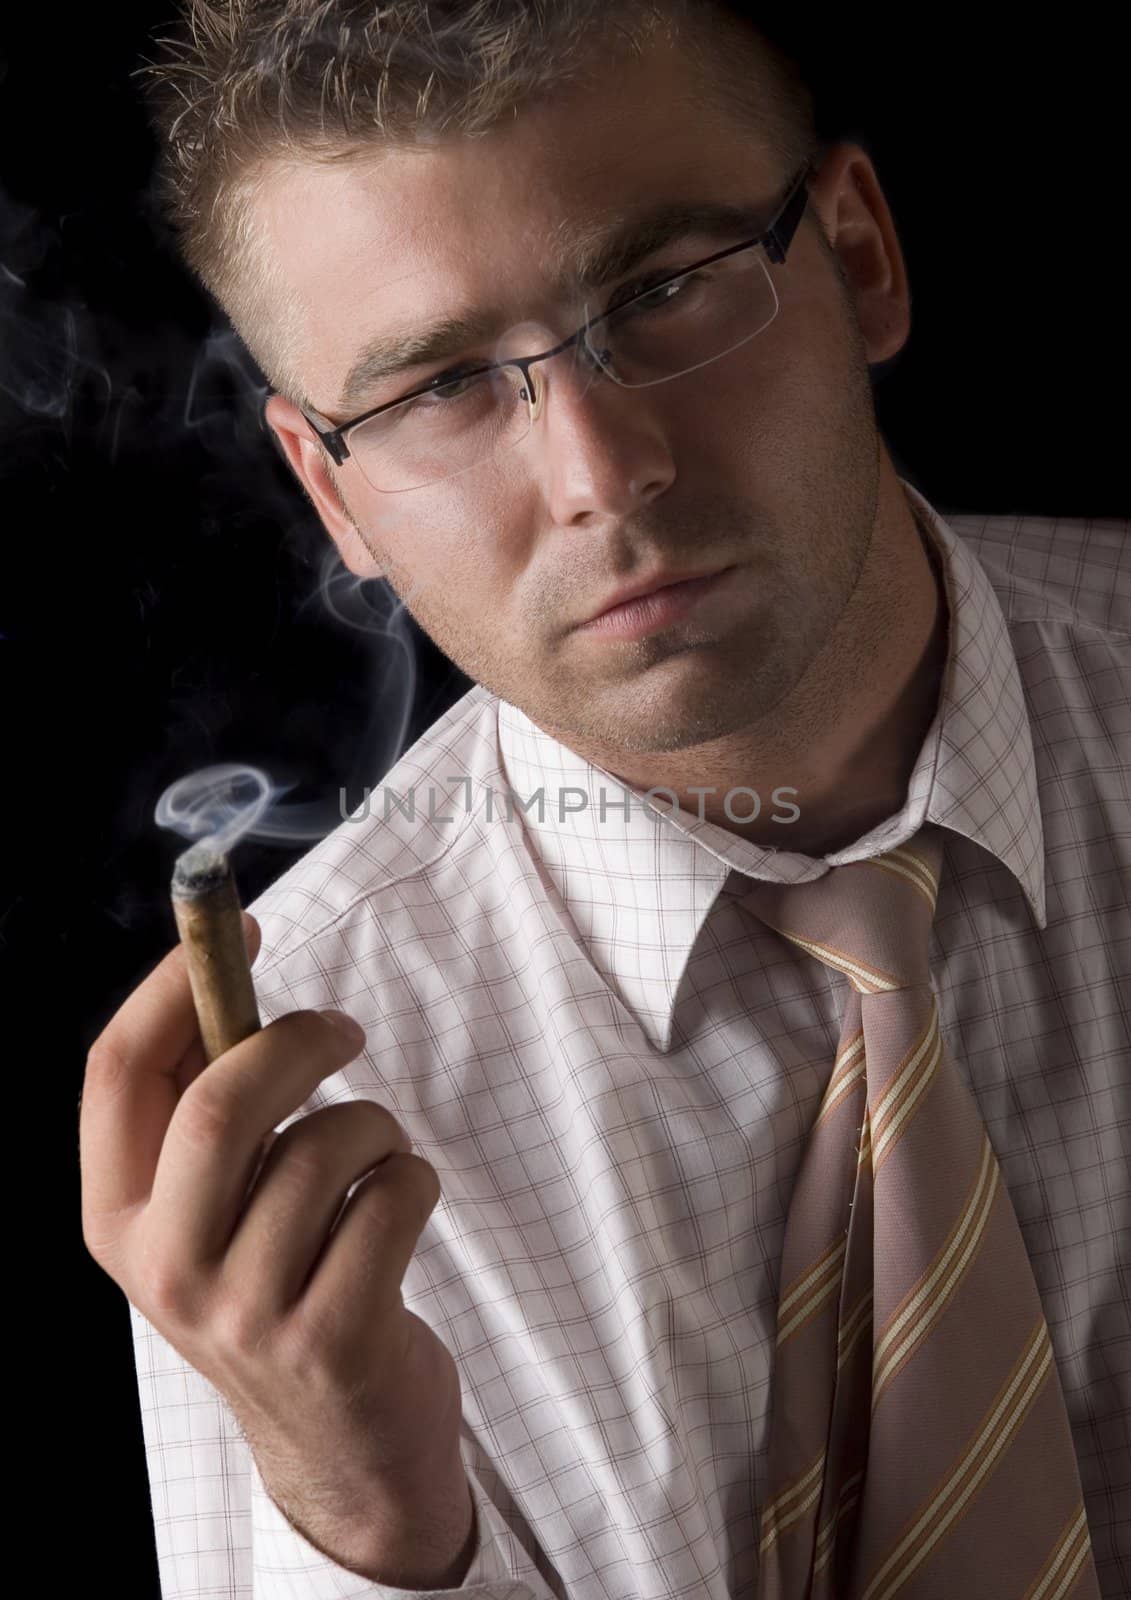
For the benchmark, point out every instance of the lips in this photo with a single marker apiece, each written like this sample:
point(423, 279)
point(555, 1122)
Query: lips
point(648, 586)
point(659, 607)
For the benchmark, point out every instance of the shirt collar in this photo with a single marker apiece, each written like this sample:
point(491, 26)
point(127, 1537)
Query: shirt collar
point(639, 882)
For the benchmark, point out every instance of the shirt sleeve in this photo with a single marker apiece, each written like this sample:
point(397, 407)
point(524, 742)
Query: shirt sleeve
point(219, 1533)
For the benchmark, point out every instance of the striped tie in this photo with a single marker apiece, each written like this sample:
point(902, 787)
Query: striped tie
point(919, 1441)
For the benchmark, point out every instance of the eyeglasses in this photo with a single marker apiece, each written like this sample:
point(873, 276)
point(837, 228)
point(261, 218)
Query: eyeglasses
point(675, 323)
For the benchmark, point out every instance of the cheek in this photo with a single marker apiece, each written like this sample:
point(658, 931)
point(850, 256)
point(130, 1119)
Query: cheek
point(446, 579)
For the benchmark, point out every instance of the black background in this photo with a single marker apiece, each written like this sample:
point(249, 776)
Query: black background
point(164, 605)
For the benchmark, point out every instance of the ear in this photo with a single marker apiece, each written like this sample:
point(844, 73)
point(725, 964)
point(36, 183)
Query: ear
point(856, 219)
point(299, 445)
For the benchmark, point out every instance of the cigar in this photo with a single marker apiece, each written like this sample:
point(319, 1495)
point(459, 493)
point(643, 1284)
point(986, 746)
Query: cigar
point(207, 908)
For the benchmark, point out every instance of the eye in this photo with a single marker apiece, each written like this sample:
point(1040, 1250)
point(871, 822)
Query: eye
point(661, 277)
point(465, 369)
point(447, 390)
point(663, 295)
point(628, 291)
point(641, 300)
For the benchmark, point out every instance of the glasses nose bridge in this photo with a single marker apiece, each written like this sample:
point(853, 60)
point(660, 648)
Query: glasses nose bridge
point(536, 387)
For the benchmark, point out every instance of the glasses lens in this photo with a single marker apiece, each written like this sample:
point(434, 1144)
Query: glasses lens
point(659, 335)
point(443, 432)
point(687, 323)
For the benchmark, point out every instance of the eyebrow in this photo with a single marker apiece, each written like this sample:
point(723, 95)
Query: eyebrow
point(600, 253)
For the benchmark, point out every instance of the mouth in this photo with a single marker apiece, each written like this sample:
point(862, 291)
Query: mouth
point(656, 607)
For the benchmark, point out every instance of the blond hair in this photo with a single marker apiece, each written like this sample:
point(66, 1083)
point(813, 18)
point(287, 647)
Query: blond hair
point(244, 84)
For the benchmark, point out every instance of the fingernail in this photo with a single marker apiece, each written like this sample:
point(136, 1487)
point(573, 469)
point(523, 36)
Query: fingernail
point(345, 1022)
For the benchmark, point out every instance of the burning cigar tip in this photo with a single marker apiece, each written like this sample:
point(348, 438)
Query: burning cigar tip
point(199, 871)
point(211, 929)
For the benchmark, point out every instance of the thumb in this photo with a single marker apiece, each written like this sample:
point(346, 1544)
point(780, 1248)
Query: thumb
point(252, 935)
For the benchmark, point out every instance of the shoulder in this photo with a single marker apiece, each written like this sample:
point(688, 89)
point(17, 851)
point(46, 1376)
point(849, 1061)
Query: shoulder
point(1072, 571)
point(1064, 588)
point(411, 828)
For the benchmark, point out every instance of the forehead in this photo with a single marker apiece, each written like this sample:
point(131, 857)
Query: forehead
point(402, 237)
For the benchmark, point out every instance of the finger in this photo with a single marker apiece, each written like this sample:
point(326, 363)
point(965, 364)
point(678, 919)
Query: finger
point(216, 1135)
point(357, 1280)
point(132, 1085)
point(301, 1188)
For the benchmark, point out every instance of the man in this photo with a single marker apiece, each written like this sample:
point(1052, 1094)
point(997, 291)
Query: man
point(536, 1354)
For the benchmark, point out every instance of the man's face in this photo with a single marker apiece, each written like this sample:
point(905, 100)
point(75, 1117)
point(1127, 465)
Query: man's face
point(765, 461)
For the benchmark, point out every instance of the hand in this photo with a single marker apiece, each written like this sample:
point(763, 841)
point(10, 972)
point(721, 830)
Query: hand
point(349, 1402)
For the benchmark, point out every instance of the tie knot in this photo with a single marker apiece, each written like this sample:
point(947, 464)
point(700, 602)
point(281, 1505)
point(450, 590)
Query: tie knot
point(869, 919)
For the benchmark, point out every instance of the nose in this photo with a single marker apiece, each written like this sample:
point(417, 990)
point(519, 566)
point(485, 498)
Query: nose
point(597, 463)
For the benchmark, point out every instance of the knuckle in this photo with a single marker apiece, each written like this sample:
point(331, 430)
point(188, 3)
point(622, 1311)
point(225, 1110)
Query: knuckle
point(426, 1177)
point(304, 1340)
point(108, 1237)
point(238, 1327)
point(165, 1286)
point(377, 1121)
point(316, 1030)
point(302, 1160)
point(100, 1236)
point(417, 1186)
point(316, 1145)
point(205, 1112)
point(107, 1067)
point(167, 1293)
